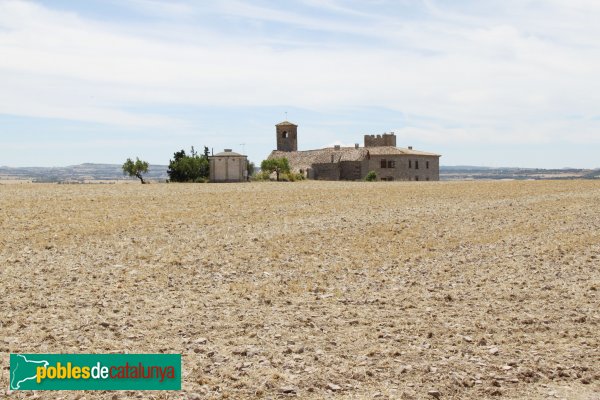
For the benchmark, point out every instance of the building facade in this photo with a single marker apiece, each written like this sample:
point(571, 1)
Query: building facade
point(379, 154)
point(228, 166)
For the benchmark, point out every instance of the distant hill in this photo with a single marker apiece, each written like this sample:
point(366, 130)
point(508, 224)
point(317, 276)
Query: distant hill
point(475, 172)
point(462, 168)
point(112, 172)
point(78, 173)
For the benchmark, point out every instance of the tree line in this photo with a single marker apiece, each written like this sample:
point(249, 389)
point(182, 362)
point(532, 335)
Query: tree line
point(184, 167)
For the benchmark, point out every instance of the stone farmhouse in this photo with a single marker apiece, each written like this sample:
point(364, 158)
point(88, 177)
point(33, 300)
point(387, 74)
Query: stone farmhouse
point(379, 154)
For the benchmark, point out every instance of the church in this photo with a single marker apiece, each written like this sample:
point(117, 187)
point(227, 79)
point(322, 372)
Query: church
point(378, 153)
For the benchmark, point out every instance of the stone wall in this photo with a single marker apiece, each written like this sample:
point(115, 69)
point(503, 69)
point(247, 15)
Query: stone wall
point(350, 170)
point(387, 139)
point(405, 168)
point(326, 171)
point(287, 137)
point(227, 169)
point(397, 168)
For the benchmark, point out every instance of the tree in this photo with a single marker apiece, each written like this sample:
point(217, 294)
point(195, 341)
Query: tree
point(277, 165)
point(136, 168)
point(250, 168)
point(189, 168)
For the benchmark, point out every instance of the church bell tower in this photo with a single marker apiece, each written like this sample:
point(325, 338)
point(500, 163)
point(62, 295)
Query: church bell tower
point(287, 136)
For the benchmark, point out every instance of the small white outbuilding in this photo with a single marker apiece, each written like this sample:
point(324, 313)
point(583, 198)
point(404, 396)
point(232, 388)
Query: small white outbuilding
point(228, 166)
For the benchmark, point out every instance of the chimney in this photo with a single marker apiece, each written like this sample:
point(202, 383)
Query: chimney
point(410, 147)
point(356, 145)
point(227, 150)
point(336, 147)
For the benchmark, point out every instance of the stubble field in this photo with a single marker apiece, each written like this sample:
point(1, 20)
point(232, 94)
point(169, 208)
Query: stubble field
point(461, 290)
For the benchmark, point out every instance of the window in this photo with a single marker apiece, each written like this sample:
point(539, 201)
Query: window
point(391, 164)
point(427, 164)
point(416, 164)
point(284, 134)
point(416, 178)
point(409, 163)
point(427, 178)
point(383, 164)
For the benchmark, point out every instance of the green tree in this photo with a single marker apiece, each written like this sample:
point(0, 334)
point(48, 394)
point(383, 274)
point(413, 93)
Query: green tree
point(251, 168)
point(189, 168)
point(277, 165)
point(136, 169)
point(371, 176)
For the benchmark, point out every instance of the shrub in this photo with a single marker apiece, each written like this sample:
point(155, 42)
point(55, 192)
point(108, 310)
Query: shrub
point(371, 176)
point(293, 177)
point(261, 176)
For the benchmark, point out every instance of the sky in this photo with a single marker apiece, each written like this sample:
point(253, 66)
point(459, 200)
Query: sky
point(482, 82)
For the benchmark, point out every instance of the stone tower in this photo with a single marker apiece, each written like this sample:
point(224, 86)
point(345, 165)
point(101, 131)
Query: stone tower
point(287, 136)
point(387, 139)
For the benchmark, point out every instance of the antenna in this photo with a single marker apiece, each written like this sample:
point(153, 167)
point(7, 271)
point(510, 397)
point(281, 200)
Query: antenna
point(286, 115)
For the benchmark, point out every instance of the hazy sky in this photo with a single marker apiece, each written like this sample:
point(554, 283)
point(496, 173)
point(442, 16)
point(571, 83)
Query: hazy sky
point(482, 82)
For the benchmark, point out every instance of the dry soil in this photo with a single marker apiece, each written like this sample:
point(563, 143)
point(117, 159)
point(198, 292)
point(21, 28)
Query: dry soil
point(450, 290)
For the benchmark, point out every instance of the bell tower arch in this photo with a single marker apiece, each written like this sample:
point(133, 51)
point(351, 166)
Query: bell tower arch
point(287, 136)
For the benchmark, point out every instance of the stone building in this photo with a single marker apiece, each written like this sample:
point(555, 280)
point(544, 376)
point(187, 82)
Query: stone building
point(287, 136)
point(228, 166)
point(379, 154)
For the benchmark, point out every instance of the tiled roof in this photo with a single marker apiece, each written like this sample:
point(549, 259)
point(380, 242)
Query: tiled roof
point(384, 150)
point(228, 154)
point(304, 159)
